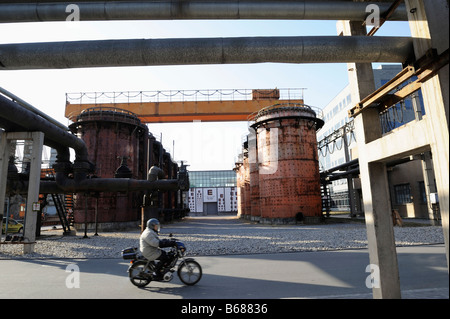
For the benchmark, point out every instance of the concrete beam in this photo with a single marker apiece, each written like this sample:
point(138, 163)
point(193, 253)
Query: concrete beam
point(409, 139)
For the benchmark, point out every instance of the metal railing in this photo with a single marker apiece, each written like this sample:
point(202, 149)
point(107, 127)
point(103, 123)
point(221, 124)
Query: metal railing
point(105, 113)
point(318, 112)
point(179, 96)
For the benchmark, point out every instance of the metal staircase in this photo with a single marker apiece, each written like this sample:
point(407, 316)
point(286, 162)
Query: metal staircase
point(62, 212)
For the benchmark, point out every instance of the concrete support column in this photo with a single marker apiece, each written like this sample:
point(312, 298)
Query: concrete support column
point(379, 225)
point(351, 193)
point(4, 158)
point(429, 25)
point(374, 182)
point(37, 139)
point(31, 212)
point(430, 186)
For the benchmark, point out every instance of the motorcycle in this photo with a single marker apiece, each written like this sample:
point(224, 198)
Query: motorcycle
point(142, 271)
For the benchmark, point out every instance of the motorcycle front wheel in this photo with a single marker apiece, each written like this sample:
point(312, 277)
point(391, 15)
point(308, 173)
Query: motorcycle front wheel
point(140, 276)
point(190, 272)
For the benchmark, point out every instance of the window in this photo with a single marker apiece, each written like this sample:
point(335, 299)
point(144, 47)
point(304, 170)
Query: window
point(335, 109)
point(349, 99)
point(402, 194)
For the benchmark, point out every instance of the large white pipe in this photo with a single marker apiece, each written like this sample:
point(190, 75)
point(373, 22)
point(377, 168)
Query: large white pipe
point(143, 52)
point(183, 9)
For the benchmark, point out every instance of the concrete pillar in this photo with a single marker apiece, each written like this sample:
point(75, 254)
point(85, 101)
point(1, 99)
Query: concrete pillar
point(430, 186)
point(37, 139)
point(4, 158)
point(31, 213)
point(351, 193)
point(429, 25)
point(374, 182)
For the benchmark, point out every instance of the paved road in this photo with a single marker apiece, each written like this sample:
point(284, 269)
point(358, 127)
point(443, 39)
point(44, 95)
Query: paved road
point(331, 274)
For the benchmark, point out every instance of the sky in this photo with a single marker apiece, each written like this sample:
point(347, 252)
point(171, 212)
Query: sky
point(203, 146)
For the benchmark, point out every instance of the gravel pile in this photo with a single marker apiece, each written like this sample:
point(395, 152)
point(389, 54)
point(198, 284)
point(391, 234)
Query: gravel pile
point(222, 236)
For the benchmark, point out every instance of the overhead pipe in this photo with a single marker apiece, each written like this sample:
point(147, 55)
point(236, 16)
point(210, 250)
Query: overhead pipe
point(15, 118)
point(110, 185)
point(66, 185)
point(345, 166)
point(31, 108)
point(181, 9)
point(63, 184)
point(144, 52)
point(337, 176)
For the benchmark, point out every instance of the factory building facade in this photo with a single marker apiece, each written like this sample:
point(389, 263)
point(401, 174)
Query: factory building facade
point(212, 192)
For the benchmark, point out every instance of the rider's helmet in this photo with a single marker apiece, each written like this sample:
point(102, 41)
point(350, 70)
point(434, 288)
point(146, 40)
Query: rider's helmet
point(151, 223)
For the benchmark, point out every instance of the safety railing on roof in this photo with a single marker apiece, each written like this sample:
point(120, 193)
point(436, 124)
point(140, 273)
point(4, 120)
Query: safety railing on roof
point(318, 112)
point(102, 113)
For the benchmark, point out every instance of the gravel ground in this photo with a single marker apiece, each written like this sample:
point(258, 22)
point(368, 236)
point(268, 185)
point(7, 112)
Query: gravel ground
point(223, 235)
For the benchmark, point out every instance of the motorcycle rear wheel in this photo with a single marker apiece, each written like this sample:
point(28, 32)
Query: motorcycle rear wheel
point(190, 272)
point(140, 276)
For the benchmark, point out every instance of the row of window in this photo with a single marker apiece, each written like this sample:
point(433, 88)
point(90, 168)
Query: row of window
point(212, 178)
point(339, 106)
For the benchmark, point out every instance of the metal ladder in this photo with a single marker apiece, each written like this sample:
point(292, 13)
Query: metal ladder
point(60, 209)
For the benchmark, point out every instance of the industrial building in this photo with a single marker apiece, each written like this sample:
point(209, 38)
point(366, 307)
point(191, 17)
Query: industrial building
point(122, 147)
point(278, 178)
point(406, 180)
point(132, 180)
point(212, 192)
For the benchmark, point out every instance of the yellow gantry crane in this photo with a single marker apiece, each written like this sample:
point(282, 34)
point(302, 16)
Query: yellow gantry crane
point(183, 106)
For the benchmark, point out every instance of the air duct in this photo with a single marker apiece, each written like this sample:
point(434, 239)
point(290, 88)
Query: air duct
point(181, 9)
point(144, 52)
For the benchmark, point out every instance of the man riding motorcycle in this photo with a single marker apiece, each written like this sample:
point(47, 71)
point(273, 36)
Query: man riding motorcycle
point(150, 245)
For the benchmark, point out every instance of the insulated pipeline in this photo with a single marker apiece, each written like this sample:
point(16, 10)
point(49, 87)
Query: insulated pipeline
point(145, 52)
point(14, 117)
point(182, 9)
point(95, 185)
point(32, 108)
point(109, 185)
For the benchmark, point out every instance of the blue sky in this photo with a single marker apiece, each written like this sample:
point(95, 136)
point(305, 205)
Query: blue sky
point(204, 146)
